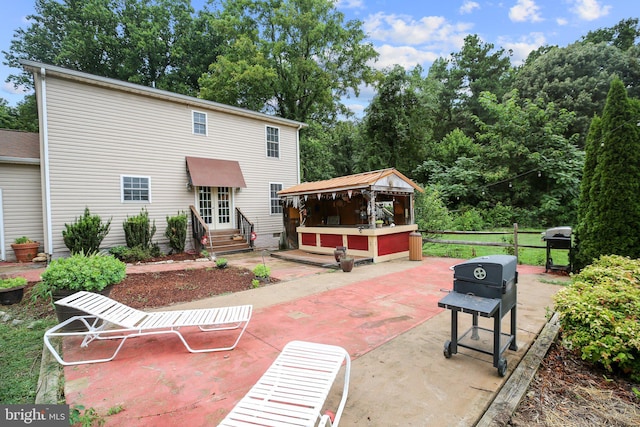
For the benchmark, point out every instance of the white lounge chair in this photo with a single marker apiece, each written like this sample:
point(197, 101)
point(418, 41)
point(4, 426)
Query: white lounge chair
point(292, 392)
point(109, 319)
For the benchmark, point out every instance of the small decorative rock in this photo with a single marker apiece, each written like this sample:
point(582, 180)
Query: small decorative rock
point(6, 317)
point(16, 322)
point(41, 257)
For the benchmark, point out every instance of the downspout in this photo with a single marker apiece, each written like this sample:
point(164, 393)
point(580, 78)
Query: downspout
point(298, 149)
point(45, 165)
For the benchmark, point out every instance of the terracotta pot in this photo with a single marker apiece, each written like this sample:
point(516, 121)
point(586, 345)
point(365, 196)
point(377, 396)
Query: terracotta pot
point(341, 251)
point(25, 252)
point(347, 264)
point(10, 296)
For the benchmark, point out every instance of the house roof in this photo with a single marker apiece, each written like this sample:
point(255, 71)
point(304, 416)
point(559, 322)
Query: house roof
point(215, 173)
point(383, 178)
point(19, 147)
point(65, 73)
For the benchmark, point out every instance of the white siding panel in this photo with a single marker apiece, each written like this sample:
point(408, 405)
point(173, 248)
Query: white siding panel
point(22, 205)
point(96, 135)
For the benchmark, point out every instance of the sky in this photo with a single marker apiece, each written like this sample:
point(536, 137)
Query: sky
point(410, 32)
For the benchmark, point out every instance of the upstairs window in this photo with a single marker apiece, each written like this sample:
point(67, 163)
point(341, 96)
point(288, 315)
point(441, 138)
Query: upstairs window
point(273, 142)
point(136, 188)
point(199, 123)
point(276, 207)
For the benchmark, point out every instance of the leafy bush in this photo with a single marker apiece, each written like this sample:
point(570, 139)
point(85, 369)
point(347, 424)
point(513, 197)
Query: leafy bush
point(85, 234)
point(431, 212)
point(600, 313)
point(135, 254)
point(221, 262)
point(177, 231)
point(469, 219)
point(500, 216)
point(138, 230)
point(81, 272)
point(262, 271)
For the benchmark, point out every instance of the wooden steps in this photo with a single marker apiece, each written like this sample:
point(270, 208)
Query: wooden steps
point(223, 242)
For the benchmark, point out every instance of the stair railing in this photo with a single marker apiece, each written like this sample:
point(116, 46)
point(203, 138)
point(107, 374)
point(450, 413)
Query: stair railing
point(199, 230)
point(245, 226)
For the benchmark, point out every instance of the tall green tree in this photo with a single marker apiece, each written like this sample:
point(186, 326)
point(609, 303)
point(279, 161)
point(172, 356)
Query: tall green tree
point(613, 204)
point(292, 58)
point(7, 115)
point(142, 41)
point(577, 78)
point(519, 158)
point(478, 67)
point(397, 125)
point(23, 116)
point(589, 189)
point(623, 35)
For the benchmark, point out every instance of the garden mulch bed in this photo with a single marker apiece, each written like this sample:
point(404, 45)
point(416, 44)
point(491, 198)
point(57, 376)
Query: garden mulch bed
point(568, 391)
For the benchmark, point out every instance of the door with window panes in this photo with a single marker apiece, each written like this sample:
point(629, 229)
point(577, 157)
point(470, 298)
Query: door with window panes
point(215, 207)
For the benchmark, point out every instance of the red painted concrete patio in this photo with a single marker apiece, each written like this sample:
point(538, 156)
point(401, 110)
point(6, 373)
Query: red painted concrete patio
point(157, 382)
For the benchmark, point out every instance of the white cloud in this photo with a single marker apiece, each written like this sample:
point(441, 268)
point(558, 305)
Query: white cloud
point(590, 10)
point(561, 21)
point(405, 29)
point(522, 47)
point(8, 87)
point(525, 10)
point(350, 4)
point(468, 7)
point(406, 56)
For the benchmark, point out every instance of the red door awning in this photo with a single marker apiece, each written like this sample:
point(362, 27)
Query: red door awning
point(215, 172)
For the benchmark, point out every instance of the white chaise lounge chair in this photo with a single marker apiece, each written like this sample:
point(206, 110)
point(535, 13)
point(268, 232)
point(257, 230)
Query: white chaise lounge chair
point(109, 319)
point(292, 392)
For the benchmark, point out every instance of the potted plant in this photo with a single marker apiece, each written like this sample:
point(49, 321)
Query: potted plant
point(346, 263)
point(25, 249)
point(11, 290)
point(79, 272)
point(379, 223)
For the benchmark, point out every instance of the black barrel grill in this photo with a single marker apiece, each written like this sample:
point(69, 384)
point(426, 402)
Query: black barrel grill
point(557, 238)
point(484, 286)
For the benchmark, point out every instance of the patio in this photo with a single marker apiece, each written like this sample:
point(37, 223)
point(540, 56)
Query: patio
point(385, 315)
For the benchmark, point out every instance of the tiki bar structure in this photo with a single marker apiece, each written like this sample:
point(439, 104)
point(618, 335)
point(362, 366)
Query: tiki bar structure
point(371, 214)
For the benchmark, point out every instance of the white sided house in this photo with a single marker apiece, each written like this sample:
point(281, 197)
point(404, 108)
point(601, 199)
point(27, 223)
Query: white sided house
point(118, 148)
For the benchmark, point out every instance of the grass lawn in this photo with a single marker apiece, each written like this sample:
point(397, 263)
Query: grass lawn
point(21, 349)
point(528, 256)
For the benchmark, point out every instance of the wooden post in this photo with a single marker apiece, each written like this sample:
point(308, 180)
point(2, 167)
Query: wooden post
point(515, 240)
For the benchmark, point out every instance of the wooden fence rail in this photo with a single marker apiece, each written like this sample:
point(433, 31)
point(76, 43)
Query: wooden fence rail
point(513, 245)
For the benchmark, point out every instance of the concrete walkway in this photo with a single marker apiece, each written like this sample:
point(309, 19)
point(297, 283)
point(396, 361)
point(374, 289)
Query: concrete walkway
point(385, 315)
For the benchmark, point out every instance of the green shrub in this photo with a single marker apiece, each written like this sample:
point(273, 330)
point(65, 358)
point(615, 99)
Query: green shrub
point(600, 314)
point(139, 231)
point(469, 219)
point(12, 282)
point(262, 271)
point(135, 254)
point(430, 210)
point(82, 272)
point(85, 234)
point(177, 232)
point(221, 262)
